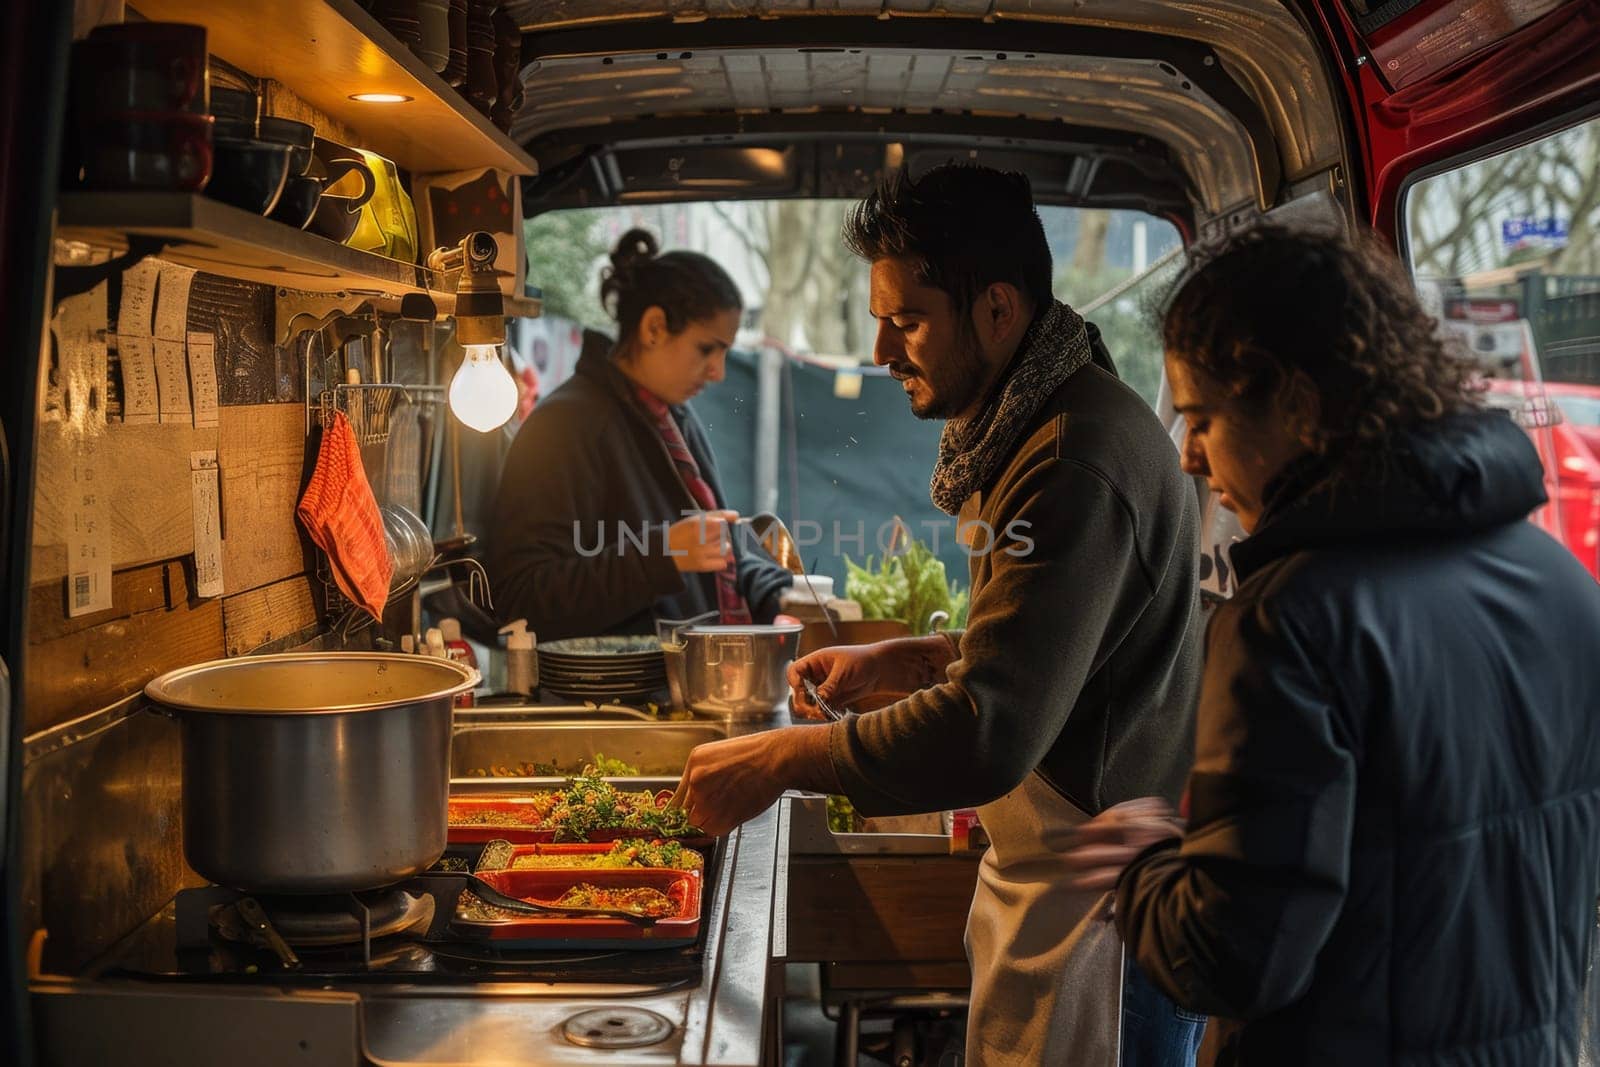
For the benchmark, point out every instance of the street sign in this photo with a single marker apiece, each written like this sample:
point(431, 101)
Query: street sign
point(1525, 230)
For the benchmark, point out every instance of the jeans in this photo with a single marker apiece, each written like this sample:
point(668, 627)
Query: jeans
point(1155, 1031)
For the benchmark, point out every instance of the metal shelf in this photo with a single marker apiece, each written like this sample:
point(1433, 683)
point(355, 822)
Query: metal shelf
point(325, 50)
point(212, 236)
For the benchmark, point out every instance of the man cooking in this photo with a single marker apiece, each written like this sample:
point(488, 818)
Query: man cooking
point(1073, 686)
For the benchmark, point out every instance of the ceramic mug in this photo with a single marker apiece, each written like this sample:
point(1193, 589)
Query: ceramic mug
point(160, 151)
point(144, 66)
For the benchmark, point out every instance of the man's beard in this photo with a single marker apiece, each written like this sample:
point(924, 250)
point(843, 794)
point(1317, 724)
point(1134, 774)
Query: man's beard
point(955, 384)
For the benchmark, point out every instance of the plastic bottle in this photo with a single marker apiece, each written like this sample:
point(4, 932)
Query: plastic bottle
point(522, 658)
point(456, 648)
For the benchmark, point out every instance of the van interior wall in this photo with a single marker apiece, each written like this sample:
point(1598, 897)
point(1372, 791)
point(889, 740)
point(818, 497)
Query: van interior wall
point(132, 485)
point(101, 781)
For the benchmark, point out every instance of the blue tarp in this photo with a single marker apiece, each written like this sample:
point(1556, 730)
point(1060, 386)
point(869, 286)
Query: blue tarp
point(846, 466)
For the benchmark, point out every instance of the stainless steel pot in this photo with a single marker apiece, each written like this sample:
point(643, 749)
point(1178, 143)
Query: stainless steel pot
point(731, 672)
point(314, 772)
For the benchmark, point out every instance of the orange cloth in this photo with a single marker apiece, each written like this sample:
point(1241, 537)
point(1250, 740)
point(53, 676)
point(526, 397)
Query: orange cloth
point(341, 515)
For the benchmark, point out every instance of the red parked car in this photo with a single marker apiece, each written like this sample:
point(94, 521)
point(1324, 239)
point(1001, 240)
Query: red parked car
point(1563, 420)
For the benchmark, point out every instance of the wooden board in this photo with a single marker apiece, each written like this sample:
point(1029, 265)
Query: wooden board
point(162, 585)
point(84, 671)
point(262, 453)
point(250, 368)
point(879, 910)
point(327, 50)
point(147, 470)
point(271, 613)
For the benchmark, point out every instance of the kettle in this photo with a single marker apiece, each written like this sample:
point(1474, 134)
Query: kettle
point(382, 220)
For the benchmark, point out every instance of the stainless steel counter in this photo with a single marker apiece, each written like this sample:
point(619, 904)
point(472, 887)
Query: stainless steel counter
point(722, 1019)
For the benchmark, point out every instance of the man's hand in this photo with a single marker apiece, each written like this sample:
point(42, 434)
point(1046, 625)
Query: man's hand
point(844, 674)
point(1108, 842)
point(726, 783)
point(700, 544)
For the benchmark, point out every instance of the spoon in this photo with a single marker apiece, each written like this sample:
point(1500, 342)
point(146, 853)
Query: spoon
point(492, 896)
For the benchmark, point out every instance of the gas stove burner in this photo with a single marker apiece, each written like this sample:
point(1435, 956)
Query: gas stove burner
point(316, 921)
point(615, 1028)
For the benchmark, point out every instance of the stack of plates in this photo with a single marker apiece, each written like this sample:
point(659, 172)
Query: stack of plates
point(618, 670)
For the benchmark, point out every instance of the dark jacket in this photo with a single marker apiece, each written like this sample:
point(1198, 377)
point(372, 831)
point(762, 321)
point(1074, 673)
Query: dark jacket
point(588, 460)
point(1393, 850)
point(1081, 656)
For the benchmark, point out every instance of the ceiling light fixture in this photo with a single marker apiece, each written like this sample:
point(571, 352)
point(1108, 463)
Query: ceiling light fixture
point(380, 98)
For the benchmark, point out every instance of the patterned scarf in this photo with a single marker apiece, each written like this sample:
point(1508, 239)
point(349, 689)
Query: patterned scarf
point(972, 449)
point(730, 604)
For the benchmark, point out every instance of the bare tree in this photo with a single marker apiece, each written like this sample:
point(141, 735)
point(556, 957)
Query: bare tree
point(1454, 218)
point(814, 288)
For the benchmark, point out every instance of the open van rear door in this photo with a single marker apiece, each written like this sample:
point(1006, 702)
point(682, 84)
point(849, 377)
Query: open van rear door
point(1434, 79)
point(1478, 127)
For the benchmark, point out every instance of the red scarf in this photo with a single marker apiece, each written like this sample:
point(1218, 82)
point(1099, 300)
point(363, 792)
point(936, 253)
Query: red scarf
point(730, 604)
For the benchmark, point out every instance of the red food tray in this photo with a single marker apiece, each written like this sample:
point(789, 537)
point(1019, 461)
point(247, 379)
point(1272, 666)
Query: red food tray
point(530, 832)
point(571, 932)
point(592, 850)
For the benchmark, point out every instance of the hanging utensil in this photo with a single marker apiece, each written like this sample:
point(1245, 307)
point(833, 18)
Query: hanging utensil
point(402, 467)
point(775, 538)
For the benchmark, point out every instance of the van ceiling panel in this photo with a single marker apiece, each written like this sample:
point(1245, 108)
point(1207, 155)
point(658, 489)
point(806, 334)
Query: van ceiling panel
point(1141, 97)
point(695, 158)
point(1259, 42)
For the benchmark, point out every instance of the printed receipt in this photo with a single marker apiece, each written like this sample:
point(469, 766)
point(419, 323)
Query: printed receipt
point(203, 377)
point(136, 344)
point(171, 329)
point(205, 486)
point(88, 536)
point(80, 330)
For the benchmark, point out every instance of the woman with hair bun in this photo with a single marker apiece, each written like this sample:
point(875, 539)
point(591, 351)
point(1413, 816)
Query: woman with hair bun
point(610, 514)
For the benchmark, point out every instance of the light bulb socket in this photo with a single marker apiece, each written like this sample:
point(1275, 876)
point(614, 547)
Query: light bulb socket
point(480, 329)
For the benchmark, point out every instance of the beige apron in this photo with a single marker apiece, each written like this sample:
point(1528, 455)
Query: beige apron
point(1046, 960)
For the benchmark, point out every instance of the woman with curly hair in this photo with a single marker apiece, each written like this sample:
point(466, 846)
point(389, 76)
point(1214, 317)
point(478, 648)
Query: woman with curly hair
point(1391, 853)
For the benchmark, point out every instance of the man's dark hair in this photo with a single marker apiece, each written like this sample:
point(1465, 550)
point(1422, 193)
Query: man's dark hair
point(964, 227)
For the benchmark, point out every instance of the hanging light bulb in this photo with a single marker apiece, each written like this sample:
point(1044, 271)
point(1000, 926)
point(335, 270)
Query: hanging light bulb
point(483, 394)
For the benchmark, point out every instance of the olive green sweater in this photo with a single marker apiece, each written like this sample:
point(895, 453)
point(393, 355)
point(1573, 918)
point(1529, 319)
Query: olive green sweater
point(1081, 654)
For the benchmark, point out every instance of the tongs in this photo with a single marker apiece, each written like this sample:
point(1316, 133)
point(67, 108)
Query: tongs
point(822, 705)
point(492, 896)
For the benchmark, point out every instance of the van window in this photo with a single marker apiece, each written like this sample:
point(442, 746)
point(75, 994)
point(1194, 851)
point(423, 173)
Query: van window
point(850, 457)
point(1507, 252)
point(1516, 237)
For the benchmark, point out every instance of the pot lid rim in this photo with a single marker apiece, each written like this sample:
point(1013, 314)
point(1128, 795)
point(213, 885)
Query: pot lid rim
point(159, 689)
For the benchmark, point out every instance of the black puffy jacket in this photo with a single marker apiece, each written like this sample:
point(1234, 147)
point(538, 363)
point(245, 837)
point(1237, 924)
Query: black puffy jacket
point(1393, 851)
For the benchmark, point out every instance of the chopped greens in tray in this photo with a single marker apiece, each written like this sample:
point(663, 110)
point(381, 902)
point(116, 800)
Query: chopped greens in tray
point(602, 765)
point(641, 900)
point(587, 805)
point(629, 852)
